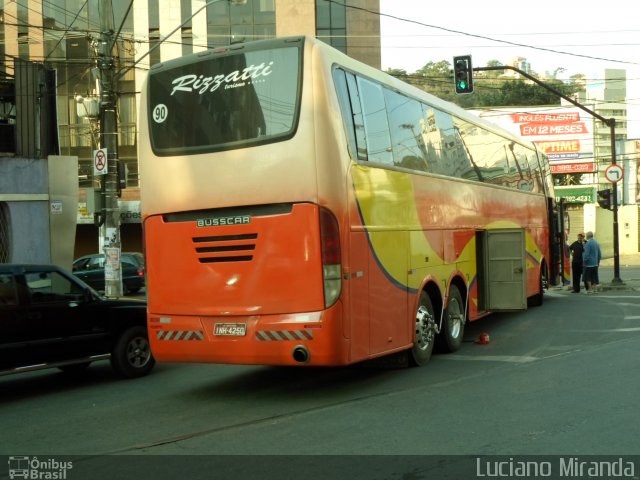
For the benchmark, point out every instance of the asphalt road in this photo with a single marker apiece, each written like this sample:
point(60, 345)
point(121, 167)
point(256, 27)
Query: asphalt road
point(556, 380)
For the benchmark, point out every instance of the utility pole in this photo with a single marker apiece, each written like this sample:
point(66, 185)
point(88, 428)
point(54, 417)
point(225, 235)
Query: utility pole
point(110, 227)
point(611, 123)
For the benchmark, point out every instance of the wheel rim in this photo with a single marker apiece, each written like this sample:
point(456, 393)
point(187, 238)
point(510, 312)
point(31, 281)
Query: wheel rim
point(424, 328)
point(138, 352)
point(455, 317)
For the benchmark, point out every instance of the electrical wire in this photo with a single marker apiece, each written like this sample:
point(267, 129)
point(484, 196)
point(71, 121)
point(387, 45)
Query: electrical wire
point(482, 37)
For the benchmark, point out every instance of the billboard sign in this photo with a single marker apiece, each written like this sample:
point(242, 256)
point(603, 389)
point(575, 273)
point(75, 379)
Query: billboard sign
point(564, 134)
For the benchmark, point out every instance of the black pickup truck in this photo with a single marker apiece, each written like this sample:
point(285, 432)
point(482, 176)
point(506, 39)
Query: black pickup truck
point(50, 318)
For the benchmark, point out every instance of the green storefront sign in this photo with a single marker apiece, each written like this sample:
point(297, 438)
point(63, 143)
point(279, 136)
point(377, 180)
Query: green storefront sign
point(576, 194)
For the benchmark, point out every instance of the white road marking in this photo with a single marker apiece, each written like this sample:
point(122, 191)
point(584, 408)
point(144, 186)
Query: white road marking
point(492, 358)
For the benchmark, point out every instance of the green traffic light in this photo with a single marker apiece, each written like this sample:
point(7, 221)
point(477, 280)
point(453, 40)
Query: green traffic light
point(463, 74)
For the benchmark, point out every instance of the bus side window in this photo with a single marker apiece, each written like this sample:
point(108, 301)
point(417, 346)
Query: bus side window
point(376, 124)
point(358, 120)
point(536, 172)
point(526, 182)
point(489, 153)
point(447, 152)
point(344, 100)
point(405, 125)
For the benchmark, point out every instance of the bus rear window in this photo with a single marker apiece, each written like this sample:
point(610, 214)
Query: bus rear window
point(209, 103)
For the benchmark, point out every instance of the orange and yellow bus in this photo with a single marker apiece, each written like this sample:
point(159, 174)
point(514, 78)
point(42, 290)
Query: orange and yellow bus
point(302, 208)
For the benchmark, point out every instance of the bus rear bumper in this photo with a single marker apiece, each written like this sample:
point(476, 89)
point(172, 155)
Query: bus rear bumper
point(301, 339)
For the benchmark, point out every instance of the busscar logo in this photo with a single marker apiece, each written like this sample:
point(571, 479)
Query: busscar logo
point(37, 469)
point(219, 221)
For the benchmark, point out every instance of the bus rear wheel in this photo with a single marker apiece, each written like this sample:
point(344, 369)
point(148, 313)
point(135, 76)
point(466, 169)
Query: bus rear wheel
point(450, 337)
point(425, 328)
point(538, 298)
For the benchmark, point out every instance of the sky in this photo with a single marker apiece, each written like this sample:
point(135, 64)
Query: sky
point(550, 34)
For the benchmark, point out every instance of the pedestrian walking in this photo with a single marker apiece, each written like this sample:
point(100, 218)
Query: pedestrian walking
point(577, 250)
point(591, 261)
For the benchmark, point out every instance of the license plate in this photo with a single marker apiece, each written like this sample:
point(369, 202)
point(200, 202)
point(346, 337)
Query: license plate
point(230, 329)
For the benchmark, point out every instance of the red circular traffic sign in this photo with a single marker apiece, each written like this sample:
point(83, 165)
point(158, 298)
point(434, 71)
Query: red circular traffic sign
point(614, 173)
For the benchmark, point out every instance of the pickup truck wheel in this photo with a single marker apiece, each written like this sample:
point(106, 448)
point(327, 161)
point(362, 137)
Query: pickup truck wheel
point(131, 356)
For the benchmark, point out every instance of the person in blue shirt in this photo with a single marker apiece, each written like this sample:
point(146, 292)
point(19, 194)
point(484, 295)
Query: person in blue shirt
point(591, 261)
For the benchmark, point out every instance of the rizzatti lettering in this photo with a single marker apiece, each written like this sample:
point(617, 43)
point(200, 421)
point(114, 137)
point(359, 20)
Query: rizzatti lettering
point(202, 84)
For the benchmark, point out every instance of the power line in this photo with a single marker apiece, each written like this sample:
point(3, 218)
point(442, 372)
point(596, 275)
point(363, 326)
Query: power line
point(483, 37)
point(67, 30)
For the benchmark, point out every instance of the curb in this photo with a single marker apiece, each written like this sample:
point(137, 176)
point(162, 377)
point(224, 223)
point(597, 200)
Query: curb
point(618, 288)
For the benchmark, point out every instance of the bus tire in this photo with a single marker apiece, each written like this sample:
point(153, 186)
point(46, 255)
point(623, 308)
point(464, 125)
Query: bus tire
point(538, 299)
point(131, 355)
point(453, 319)
point(425, 328)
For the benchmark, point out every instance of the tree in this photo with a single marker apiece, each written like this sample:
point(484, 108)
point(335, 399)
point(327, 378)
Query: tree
point(492, 88)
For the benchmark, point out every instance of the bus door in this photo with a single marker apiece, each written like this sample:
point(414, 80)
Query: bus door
point(388, 292)
point(377, 296)
point(502, 277)
point(357, 289)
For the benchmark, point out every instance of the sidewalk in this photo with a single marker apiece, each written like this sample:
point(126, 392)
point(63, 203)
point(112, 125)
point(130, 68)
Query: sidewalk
point(625, 260)
point(629, 266)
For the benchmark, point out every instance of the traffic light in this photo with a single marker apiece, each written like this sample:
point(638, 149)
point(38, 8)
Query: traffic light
point(604, 198)
point(123, 172)
point(463, 74)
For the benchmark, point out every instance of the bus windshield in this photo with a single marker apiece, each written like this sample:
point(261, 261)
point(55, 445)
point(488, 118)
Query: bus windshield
point(224, 101)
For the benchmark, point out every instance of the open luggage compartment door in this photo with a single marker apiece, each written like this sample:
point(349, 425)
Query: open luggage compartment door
point(501, 269)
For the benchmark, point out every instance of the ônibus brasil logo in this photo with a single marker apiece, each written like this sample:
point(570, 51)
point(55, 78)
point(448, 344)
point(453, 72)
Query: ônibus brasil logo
point(37, 469)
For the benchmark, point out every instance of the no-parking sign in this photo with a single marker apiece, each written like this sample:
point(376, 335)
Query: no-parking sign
point(100, 161)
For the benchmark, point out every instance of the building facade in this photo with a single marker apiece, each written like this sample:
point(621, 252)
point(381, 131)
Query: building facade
point(64, 35)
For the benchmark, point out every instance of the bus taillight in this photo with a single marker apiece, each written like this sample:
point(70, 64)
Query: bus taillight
point(331, 258)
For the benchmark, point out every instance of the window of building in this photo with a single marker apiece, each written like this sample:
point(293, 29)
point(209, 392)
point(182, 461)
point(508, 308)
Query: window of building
point(241, 33)
point(127, 51)
point(331, 24)
point(261, 32)
point(242, 14)
point(185, 13)
point(5, 233)
point(187, 40)
point(218, 35)
point(154, 14)
point(2, 37)
point(264, 12)
point(154, 46)
point(230, 23)
point(218, 14)
point(127, 118)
